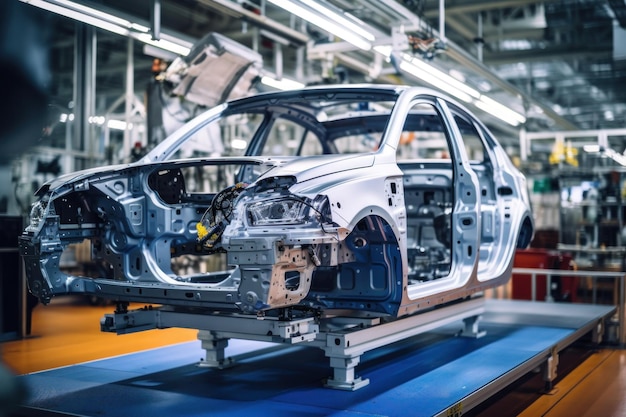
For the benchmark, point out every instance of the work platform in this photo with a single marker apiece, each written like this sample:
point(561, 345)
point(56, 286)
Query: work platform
point(435, 372)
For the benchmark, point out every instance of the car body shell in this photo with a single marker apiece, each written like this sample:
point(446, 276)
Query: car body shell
point(324, 232)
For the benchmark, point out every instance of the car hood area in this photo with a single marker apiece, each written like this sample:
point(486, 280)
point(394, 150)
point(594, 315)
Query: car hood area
point(306, 169)
point(112, 170)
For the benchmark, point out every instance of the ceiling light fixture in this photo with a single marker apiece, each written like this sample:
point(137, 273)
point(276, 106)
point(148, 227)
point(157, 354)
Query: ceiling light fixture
point(164, 44)
point(384, 50)
point(90, 19)
point(349, 21)
point(411, 68)
point(111, 23)
point(445, 78)
point(591, 148)
point(454, 87)
point(282, 84)
point(324, 18)
point(500, 111)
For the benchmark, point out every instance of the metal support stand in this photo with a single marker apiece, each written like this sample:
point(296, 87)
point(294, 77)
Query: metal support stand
point(550, 369)
point(345, 346)
point(526, 336)
point(344, 377)
point(214, 347)
point(598, 332)
point(343, 339)
point(470, 328)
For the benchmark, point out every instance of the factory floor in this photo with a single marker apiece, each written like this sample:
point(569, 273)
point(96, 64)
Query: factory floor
point(592, 382)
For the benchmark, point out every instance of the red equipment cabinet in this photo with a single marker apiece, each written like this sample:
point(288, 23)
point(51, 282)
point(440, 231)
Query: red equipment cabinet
point(563, 288)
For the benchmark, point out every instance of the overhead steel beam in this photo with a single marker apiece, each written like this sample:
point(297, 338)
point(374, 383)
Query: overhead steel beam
point(237, 11)
point(393, 10)
point(462, 57)
point(467, 26)
point(546, 55)
point(470, 6)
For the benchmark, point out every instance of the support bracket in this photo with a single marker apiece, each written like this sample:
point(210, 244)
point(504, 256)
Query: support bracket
point(344, 377)
point(344, 339)
point(214, 347)
point(345, 345)
point(470, 328)
point(550, 369)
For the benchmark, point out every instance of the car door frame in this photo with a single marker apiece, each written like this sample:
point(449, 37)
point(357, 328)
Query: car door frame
point(466, 208)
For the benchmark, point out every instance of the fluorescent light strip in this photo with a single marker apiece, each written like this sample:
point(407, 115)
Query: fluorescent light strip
point(620, 159)
point(101, 15)
point(139, 28)
point(499, 110)
point(445, 78)
point(118, 124)
point(495, 112)
point(111, 23)
point(351, 25)
point(238, 144)
point(411, 65)
point(163, 44)
point(327, 25)
point(92, 12)
point(72, 14)
point(282, 84)
point(430, 79)
point(98, 120)
point(591, 148)
point(442, 81)
point(384, 50)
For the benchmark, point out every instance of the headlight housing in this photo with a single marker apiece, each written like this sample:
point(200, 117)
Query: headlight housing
point(283, 211)
point(37, 214)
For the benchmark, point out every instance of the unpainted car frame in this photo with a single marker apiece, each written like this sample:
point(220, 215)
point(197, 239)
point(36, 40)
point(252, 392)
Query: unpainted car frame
point(383, 231)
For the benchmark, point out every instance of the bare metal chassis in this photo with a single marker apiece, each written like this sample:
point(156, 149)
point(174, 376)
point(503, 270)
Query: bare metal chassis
point(343, 339)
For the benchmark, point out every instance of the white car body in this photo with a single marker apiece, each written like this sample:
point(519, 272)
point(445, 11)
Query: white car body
point(403, 220)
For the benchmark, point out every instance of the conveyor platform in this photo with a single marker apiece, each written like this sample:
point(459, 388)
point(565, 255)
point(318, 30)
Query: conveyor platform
point(431, 373)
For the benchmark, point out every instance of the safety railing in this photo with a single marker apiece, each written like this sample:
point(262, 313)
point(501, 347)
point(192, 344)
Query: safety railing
point(619, 294)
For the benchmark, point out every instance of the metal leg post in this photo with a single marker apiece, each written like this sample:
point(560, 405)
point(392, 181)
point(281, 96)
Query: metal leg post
point(215, 348)
point(622, 314)
point(550, 369)
point(470, 328)
point(343, 374)
point(598, 333)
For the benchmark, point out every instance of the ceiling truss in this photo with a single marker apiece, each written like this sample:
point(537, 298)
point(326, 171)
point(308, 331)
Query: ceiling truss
point(552, 61)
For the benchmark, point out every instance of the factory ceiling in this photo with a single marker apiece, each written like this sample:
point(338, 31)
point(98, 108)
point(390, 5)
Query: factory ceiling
point(558, 63)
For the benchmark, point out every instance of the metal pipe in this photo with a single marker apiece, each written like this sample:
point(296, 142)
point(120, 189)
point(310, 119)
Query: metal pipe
point(549, 289)
point(130, 92)
point(278, 60)
point(467, 7)
point(235, 10)
point(84, 95)
point(622, 312)
point(442, 20)
point(480, 41)
point(156, 20)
